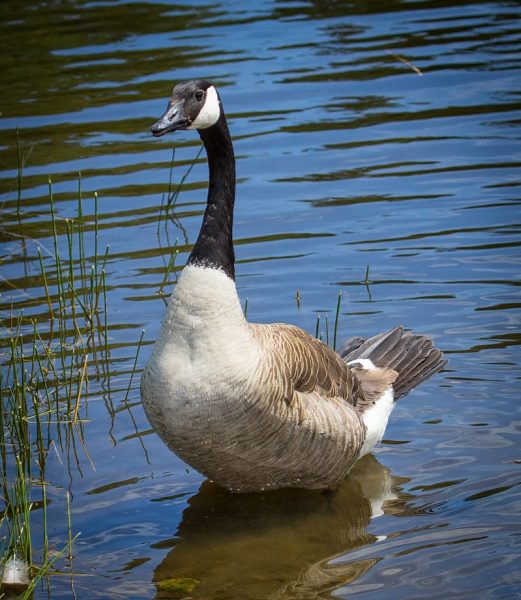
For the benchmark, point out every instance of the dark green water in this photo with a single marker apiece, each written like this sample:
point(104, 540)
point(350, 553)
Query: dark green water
point(380, 134)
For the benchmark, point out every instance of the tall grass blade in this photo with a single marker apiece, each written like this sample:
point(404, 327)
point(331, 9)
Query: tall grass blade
point(337, 313)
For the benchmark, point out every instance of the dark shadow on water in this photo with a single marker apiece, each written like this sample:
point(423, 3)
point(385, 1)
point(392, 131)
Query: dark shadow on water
point(276, 544)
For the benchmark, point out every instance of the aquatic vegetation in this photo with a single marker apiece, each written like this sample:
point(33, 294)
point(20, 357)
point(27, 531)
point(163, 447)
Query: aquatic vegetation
point(47, 361)
point(324, 335)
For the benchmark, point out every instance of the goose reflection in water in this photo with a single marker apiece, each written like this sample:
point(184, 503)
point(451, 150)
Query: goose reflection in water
point(277, 544)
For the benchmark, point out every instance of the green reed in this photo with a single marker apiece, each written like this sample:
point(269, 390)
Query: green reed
point(29, 420)
point(324, 335)
point(337, 314)
point(44, 380)
point(170, 266)
point(48, 362)
point(172, 197)
point(21, 159)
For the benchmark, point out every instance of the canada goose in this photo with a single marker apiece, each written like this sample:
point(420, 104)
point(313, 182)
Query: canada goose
point(253, 406)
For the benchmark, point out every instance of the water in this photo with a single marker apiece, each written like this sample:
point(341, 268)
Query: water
point(367, 134)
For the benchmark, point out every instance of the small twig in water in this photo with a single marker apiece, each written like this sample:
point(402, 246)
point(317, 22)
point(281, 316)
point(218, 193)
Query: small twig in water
point(405, 62)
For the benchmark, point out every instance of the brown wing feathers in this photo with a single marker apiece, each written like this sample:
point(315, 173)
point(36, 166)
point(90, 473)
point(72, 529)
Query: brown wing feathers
point(412, 356)
point(403, 359)
point(310, 365)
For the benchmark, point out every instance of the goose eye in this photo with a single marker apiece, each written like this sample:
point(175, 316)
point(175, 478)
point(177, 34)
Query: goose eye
point(199, 95)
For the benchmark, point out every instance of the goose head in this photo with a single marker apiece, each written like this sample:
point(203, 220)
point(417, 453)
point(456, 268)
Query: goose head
point(193, 105)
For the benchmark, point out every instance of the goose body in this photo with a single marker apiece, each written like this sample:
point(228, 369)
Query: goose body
point(256, 406)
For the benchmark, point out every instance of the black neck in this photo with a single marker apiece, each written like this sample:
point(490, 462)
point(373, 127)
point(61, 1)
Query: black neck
point(214, 246)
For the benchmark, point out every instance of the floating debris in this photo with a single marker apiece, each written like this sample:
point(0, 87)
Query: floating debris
point(180, 585)
point(15, 572)
point(405, 62)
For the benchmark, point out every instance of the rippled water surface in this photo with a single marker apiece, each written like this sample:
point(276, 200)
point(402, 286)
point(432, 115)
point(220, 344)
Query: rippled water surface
point(378, 155)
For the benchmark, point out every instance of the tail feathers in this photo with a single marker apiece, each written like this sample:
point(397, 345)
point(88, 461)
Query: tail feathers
point(412, 356)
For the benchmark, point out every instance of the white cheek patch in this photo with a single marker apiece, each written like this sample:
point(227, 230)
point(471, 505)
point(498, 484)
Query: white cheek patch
point(209, 113)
